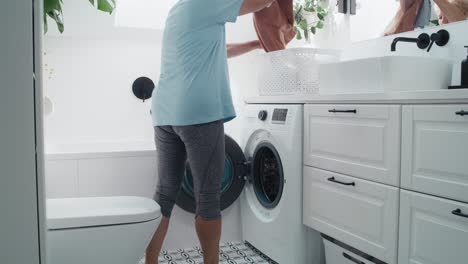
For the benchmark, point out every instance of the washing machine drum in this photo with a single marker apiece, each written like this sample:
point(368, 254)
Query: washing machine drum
point(267, 175)
point(264, 171)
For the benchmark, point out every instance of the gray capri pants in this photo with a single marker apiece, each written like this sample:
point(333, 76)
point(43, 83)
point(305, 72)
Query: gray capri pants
point(203, 147)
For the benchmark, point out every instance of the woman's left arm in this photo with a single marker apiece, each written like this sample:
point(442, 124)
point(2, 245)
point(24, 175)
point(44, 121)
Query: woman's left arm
point(237, 49)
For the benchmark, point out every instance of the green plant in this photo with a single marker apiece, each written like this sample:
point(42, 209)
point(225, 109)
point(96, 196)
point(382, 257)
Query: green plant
point(301, 25)
point(53, 9)
point(435, 22)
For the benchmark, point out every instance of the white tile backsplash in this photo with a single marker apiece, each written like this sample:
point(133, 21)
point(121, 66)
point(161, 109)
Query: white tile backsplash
point(61, 178)
point(117, 176)
point(112, 176)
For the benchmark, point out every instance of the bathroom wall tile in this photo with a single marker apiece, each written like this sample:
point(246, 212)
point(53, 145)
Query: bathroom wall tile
point(61, 178)
point(134, 176)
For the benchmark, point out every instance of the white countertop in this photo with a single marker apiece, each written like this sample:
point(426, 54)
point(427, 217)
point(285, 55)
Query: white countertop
point(414, 97)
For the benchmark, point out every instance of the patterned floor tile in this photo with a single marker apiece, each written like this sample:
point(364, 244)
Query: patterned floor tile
point(230, 253)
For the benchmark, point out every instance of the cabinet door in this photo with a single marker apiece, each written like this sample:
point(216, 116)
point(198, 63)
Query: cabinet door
point(357, 140)
point(359, 213)
point(435, 150)
point(432, 230)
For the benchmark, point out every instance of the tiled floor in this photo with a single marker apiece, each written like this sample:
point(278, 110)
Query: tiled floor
point(230, 253)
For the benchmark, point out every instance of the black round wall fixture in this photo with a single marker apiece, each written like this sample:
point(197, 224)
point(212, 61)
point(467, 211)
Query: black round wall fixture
point(143, 88)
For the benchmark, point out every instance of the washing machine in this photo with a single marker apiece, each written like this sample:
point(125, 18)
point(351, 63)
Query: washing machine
point(263, 169)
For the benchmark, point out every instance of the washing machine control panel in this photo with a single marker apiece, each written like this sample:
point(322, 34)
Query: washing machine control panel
point(279, 116)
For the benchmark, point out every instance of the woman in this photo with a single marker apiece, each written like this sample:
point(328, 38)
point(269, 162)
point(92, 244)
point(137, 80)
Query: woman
point(190, 105)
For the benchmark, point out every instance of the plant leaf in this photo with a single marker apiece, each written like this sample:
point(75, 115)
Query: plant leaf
point(298, 15)
point(319, 24)
point(106, 5)
point(53, 9)
point(303, 25)
point(313, 30)
point(298, 35)
point(56, 15)
point(46, 27)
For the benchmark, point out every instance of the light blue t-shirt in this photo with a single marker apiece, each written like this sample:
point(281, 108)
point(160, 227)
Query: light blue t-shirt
point(194, 86)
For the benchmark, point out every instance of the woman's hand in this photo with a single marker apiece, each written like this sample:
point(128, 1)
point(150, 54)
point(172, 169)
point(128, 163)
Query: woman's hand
point(451, 11)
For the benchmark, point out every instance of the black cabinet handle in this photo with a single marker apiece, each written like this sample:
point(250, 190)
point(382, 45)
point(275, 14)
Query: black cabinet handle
point(344, 111)
point(355, 260)
point(332, 179)
point(458, 212)
point(461, 113)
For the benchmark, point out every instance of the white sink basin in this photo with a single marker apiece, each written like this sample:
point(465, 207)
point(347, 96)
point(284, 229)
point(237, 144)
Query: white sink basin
point(385, 74)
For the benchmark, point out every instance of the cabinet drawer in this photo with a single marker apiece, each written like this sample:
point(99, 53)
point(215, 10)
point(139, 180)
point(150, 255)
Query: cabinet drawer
point(430, 231)
point(363, 141)
point(435, 150)
point(334, 254)
point(362, 214)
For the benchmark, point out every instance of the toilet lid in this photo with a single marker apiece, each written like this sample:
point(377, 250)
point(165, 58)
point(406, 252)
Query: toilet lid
point(99, 211)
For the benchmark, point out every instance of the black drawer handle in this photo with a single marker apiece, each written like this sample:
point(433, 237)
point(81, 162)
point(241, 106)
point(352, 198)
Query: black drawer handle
point(332, 179)
point(344, 111)
point(461, 113)
point(459, 213)
point(355, 260)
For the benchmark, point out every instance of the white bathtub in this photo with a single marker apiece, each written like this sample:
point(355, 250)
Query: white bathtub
point(100, 169)
point(99, 149)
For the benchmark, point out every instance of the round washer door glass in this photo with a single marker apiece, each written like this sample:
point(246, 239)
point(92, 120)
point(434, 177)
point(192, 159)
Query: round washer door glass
point(267, 174)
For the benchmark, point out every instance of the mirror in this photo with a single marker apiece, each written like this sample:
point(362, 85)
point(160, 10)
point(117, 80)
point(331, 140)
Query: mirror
point(378, 18)
point(412, 14)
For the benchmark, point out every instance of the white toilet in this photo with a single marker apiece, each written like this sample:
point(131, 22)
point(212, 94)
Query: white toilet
point(101, 230)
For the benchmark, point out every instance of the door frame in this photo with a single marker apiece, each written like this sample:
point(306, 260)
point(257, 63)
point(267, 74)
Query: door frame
point(22, 196)
point(38, 27)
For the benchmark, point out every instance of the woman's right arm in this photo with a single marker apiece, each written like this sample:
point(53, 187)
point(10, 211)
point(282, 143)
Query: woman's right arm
point(252, 6)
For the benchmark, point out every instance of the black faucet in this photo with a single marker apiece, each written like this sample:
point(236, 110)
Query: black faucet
point(423, 41)
point(441, 38)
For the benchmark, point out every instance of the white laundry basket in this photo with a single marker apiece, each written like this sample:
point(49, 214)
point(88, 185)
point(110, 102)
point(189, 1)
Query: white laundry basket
point(292, 71)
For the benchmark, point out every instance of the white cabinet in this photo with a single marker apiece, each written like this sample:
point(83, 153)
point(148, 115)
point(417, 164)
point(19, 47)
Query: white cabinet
point(435, 150)
point(431, 232)
point(357, 140)
point(358, 212)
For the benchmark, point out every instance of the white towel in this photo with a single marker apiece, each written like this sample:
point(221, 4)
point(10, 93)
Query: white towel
point(424, 15)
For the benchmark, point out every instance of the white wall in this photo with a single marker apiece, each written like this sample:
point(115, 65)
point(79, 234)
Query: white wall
point(19, 219)
point(89, 82)
point(89, 71)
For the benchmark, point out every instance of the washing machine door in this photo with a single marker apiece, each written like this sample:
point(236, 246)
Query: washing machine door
point(267, 175)
point(232, 184)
